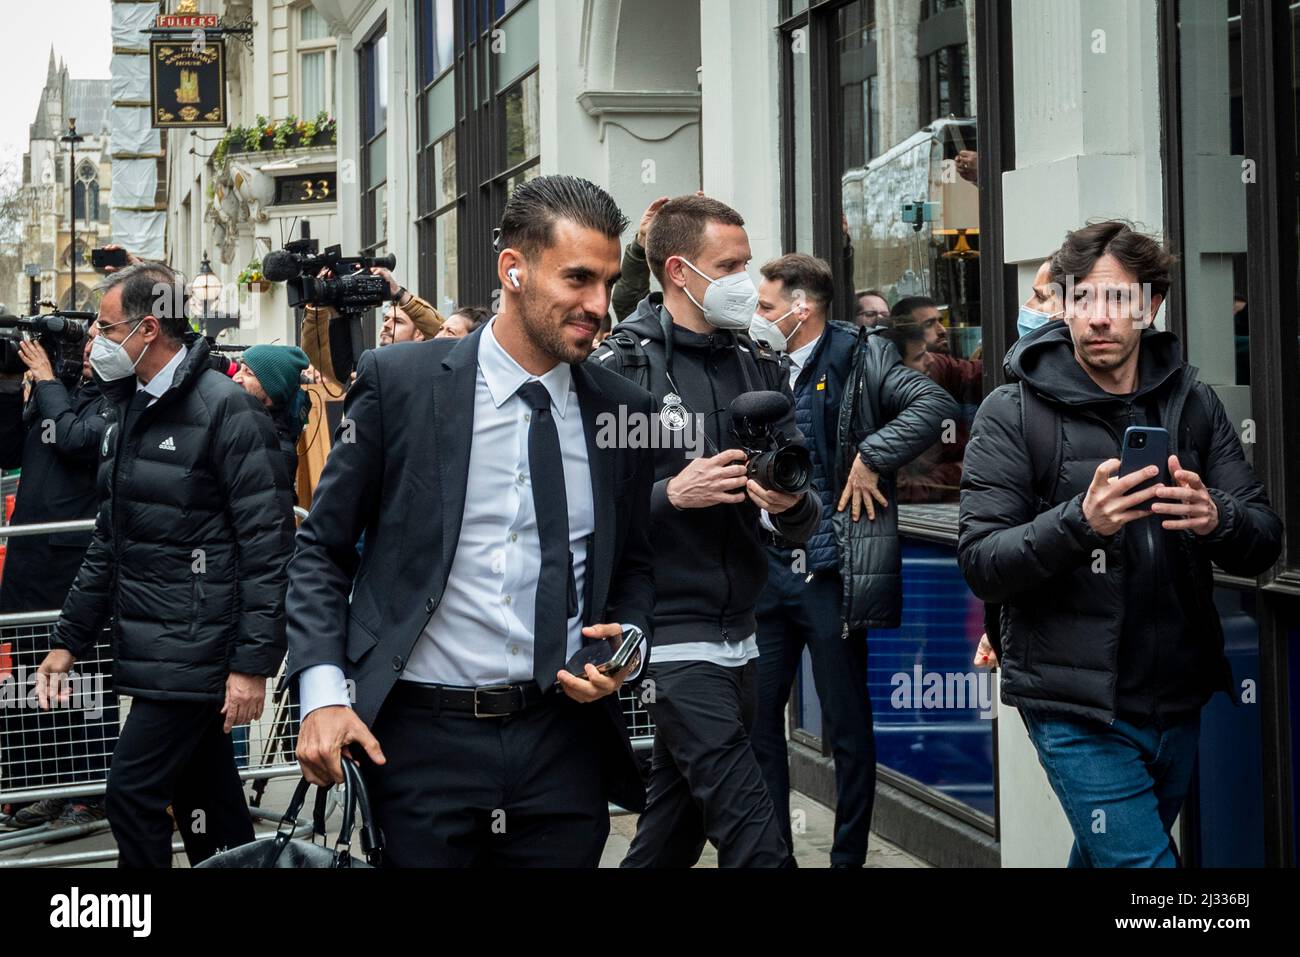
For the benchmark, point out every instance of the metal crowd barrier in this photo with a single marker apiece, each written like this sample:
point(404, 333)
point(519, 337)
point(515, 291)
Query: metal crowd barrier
point(65, 752)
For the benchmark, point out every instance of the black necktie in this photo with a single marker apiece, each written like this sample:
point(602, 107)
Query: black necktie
point(546, 469)
point(139, 402)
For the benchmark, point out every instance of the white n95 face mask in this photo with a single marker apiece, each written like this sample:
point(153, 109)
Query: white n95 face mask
point(110, 359)
point(768, 331)
point(729, 302)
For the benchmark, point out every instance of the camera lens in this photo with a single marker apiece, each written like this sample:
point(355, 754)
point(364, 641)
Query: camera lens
point(786, 470)
point(1138, 440)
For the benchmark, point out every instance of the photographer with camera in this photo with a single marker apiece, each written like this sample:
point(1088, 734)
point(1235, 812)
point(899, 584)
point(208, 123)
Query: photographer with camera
point(407, 318)
point(54, 437)
point(687, 346)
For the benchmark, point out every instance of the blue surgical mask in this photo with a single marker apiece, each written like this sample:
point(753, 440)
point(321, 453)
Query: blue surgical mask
point(1031, 319)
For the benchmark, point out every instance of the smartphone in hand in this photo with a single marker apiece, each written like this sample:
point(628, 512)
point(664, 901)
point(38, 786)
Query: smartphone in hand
point(609, 656)
point(1143, 446)
point(99, 258)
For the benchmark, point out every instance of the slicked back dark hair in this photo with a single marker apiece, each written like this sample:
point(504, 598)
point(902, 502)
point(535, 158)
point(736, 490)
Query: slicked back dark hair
point(1137, 252)
point(151, 289)
point(909, 304)
point(528, 223)
point(678, 229)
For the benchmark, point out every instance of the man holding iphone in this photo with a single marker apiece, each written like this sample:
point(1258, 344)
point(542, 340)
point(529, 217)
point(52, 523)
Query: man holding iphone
point(1098, 490)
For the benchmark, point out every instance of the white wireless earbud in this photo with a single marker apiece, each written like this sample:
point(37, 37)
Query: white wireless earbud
point(514, 276)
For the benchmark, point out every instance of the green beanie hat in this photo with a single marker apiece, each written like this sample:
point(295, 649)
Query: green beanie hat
point(279, 369)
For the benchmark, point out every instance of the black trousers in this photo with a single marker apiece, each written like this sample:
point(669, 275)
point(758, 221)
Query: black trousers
point(520, 791)
point(174, 752)
point(705, 782)
point(794, 614)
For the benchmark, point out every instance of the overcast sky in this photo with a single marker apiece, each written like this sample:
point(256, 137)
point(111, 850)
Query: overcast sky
point(80, 33)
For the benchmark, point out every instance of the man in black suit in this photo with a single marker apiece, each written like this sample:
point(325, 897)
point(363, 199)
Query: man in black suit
point(466, 605)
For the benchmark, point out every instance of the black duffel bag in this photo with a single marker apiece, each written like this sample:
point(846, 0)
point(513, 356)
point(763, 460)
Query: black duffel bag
point(283, 850)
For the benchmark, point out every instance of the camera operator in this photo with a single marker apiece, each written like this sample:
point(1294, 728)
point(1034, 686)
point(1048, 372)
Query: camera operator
point(54, 438)
point(407, 319)
point(710, 565)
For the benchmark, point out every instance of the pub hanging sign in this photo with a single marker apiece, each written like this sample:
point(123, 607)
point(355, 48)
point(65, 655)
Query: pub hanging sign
point(187, 82)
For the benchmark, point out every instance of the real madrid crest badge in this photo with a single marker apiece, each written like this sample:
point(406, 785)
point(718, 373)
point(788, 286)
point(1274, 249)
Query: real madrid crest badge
point(673, 415)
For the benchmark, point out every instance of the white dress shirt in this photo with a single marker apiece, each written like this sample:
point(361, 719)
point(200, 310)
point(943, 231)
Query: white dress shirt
point(162, 380)
point(482, 631)
point(799, 358)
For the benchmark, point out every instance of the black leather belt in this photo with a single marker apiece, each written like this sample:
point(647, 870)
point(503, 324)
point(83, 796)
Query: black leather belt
point(493, 701)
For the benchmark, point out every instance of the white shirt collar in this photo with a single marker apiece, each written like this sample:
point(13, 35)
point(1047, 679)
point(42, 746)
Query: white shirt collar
point(800, 355)
point(504, 375)
point(162, 381)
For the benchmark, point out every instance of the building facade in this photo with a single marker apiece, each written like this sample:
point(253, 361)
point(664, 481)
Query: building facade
point(58, 181)
point(941, 147)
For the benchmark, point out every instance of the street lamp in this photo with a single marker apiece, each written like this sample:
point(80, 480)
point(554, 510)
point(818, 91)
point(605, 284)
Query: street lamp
point(72, 138)
point(205, 289)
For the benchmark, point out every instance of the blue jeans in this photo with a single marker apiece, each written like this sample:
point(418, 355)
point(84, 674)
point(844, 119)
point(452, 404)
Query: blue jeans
point(1121, 785)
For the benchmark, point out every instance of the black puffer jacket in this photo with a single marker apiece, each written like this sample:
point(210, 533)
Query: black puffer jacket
point(889, 415)
point(1064, 614)
point(191, 542)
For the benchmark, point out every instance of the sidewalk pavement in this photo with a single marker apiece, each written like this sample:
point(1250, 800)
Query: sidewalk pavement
point(812, 845)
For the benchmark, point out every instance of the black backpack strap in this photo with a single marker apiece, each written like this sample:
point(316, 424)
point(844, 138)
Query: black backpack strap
point(1196, 425)
point(623, 353)
point(773, 368)
point(1041, 426)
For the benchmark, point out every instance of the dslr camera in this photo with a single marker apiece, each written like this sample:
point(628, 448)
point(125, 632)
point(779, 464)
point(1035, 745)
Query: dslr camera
point(774, 460)
point(62, 334)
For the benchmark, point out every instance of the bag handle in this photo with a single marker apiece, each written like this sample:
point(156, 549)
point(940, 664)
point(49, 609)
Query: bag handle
point(354, 796)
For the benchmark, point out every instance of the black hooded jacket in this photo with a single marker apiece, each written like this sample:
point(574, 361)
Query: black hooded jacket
point(710, 564)
point(190, 546)
point(55, 440)
point(1099, 627)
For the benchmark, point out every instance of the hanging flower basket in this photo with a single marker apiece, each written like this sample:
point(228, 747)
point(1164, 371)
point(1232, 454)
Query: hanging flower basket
point(252, 279)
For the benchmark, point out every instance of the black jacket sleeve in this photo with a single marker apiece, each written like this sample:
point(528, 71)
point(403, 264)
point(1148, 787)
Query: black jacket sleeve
point(13, 434)
point(1003, 547)
point(632, 587)
point(325, 560)
point(77, 432)
point(1249, 537)
point(88, 606)
point(634, 282)
point(915, 409)
point(260, 508)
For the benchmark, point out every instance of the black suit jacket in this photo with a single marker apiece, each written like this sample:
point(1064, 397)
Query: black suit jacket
point(397, 472)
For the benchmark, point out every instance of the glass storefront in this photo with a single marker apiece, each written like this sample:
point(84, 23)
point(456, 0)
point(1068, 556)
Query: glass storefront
point(932, 712)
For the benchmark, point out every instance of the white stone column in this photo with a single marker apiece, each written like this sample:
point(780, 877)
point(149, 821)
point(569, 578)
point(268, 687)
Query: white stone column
point(740, 83)
point(618, 107)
